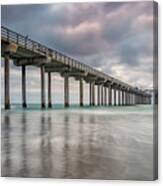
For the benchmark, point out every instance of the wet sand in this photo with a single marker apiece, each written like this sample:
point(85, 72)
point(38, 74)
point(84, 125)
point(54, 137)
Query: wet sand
point(90, 143)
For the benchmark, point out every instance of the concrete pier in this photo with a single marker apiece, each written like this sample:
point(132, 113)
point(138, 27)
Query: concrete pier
point(102, 95)
point(26, 52)
point(24, 104)
point(49, 91)
point(126, 97)
point(105, 96)
point(115, 97)
point(7, 82)
point(136, 99)
point(42, 70)
point(90, 94)
point(93, 94)
point(66, 90)
point(81, 91)
point(123, 101)
point(98, 95)
point(119, 97)
point(110, 96)
point(129, 98)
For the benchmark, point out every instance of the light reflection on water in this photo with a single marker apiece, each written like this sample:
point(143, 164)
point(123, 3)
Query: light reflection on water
point(105, 143)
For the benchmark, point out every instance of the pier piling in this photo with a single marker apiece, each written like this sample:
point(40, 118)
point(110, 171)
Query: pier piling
point(66, 91)
point(81, 91)
point(102, 95)
point(115, 97)
point(7, 82)
point(98, 95)
point(93, 94)
point(110, 96)
point(90, 94)
point(119, 97)
point(49, 90)
point(105, 96)
point(42, 69)
point(24, 104)
point(123, 101)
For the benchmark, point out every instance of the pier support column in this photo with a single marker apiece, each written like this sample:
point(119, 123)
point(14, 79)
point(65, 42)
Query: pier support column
point(136, 99)
point(126, 97)
point(7, 82)
point(132, 98)
point(49, 90)
point(110, 96)
point(132, 102)
point(131, 95)
point(123, 101)
point(115, 97)
point(119, 97)
point(81, 91)
point(24, 104)
point(102, 95)
point(90, 94)
point(150, 100)
point(98, 95)
point(129, 98)
point(42, 69)
point(93, 94)
point(66, 91)
point(144, 99)
point(105, 94)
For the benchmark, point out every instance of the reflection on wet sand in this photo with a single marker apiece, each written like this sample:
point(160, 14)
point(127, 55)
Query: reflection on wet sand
point(72, 144)
point(45, 146)
point(24, 167)
point(6, 171)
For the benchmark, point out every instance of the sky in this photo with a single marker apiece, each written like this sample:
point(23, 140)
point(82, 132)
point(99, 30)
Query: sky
point(114, 37)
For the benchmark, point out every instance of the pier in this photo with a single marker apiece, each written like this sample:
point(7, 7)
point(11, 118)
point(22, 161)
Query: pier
point(23, 51)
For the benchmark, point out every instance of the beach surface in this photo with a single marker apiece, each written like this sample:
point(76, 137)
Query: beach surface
point(88, 142)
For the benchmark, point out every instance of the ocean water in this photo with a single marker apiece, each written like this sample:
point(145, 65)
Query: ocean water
point(88, 142)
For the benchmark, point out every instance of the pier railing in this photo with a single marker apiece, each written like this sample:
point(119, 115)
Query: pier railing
point(29, 44)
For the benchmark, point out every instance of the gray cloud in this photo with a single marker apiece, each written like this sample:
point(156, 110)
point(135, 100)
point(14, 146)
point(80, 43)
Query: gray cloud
point(113, 37)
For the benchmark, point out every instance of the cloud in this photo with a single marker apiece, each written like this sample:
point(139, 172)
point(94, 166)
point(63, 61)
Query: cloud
point(116, 37)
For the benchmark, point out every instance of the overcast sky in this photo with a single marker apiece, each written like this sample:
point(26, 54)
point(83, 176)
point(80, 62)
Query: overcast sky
point(116, 38)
